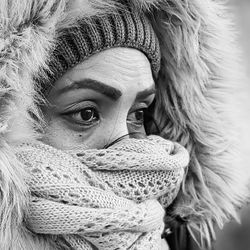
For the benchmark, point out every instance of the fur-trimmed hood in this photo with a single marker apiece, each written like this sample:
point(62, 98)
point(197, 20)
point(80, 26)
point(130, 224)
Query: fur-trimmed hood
point(197, 84)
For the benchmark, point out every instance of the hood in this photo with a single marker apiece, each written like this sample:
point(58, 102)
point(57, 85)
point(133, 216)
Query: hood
point(195, 103)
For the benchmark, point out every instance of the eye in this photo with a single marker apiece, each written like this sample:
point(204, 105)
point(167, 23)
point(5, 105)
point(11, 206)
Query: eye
point(141, 120)
point(136, 118)
point(139, 116)
point(88, 116)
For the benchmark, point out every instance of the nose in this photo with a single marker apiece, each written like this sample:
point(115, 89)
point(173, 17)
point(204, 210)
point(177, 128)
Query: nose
point(121, 131)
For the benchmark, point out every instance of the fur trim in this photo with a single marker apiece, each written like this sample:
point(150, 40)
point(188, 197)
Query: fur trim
point(197, 82)
point(196, 87)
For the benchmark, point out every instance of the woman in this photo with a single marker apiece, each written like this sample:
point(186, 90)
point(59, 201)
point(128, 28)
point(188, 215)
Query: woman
point(95, 98)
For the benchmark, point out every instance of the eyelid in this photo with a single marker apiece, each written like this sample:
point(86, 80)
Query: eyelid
point(76, 107)
point(136, 108)
point(141, 105)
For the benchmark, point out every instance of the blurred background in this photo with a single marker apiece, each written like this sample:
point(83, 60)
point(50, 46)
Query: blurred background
point(241, 10)
point(235, 236)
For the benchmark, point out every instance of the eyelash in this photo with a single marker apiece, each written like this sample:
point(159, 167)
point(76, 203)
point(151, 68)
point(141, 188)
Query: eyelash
point(73, 113)
point(137, 123)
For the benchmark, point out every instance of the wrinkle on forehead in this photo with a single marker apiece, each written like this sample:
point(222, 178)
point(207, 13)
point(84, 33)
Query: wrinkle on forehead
point(123, 63)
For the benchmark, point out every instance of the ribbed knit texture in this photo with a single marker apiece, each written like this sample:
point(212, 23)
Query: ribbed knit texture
point(127, 29)
point(113, 198)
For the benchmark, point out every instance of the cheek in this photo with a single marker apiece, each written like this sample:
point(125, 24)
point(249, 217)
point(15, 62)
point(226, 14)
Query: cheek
point(59, 136)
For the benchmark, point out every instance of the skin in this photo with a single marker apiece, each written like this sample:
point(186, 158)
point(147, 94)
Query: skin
point(113, 110)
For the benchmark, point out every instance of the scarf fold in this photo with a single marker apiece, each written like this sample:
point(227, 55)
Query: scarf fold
point(109, 198)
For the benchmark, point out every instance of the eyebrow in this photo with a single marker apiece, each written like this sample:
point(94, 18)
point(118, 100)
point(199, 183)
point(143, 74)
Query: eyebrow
point(145, 93)
point(109, 91)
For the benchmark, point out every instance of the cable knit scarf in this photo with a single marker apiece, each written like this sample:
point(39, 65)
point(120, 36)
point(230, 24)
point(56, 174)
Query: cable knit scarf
point(108, 198)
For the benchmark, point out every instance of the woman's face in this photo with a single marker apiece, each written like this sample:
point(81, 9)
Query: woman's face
point(100, 100)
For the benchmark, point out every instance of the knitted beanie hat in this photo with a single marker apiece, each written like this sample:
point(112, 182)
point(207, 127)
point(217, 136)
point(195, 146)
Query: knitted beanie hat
point(123, 29)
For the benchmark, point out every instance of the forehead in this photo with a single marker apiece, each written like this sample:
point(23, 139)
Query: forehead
point(119, 67)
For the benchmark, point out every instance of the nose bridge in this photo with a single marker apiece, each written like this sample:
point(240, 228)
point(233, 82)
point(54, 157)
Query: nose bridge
point(120, 130)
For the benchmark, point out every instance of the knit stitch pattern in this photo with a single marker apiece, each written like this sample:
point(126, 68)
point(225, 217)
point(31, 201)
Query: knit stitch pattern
point(111, 198)
point(76, 44)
